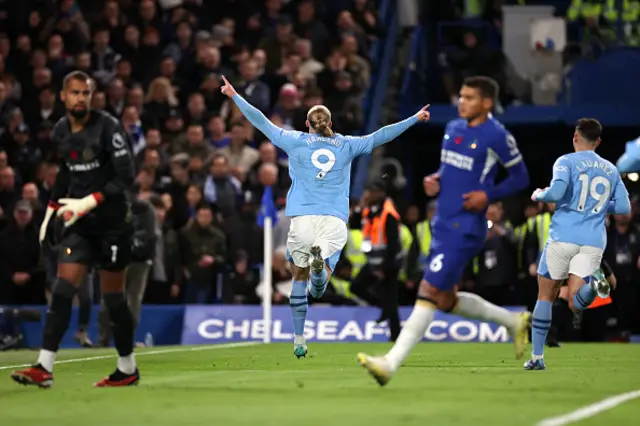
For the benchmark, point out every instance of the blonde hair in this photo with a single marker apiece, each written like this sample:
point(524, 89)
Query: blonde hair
point(319, 118)
point(153, 93)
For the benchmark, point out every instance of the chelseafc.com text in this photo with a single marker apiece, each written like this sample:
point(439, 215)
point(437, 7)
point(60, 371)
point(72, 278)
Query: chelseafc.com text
point(215, 329)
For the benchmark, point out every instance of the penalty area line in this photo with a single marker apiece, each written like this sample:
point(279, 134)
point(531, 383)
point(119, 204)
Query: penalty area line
point(139, 354)
point(590, 410)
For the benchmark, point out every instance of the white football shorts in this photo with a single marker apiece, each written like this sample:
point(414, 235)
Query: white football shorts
point(328, 232)
point(561, 259)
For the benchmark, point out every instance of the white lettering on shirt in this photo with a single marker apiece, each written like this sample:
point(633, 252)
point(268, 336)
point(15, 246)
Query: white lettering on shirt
point(591, 164)
point(84, 167)
point(457, 160)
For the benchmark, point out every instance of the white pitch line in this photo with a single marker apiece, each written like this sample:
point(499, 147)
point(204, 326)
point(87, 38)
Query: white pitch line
point(156, 352)
point(590, 410)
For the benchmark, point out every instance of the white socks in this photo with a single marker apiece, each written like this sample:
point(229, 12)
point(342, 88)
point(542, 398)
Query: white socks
point(127, 364)
point(412, 333)
point(469, 306)
point(475, 307)
point(46, 359)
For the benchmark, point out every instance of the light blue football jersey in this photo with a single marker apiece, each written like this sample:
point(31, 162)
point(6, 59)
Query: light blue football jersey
point(320, 167)
point(320, 170)
point(592, 182)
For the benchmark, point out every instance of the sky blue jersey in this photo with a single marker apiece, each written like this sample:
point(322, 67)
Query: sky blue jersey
point(630, 160)
point(320, 167)
point(585, 187)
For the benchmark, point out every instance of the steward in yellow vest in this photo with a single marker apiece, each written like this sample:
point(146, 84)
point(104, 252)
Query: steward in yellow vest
point(354, 253)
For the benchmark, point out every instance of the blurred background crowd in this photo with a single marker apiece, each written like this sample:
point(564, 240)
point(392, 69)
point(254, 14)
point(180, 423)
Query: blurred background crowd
point(157, 66)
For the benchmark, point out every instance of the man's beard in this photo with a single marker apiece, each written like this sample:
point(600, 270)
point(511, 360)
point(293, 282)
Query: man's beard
point(79, 114)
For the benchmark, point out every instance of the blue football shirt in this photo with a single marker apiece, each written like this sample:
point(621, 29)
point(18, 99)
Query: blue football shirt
point(469, 161)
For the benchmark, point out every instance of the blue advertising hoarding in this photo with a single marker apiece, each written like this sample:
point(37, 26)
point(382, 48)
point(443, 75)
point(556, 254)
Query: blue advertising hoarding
point(204, 324)
point(219, 324)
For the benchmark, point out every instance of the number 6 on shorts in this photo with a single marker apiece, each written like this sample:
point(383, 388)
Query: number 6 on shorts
point(436, 263)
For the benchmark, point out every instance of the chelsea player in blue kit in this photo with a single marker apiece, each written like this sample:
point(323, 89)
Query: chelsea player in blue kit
point(473, 145)
point(318, 201)
point(585, 187)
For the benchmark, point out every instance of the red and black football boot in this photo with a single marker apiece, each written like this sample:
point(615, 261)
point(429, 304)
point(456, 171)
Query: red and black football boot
point(119, 379)
point(36, 375)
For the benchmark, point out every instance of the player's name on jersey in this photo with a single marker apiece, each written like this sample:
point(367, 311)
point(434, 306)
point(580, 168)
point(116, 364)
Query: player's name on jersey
point(332, 141)
point(589, 164)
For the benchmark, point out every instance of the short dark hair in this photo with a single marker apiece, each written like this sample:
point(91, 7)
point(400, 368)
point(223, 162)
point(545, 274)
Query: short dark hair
point(157, 202)
point(100, 29)
point(313, 92)
point(487, 86)
point(204, 206)
point(147, 169)
point(590, 129)
point(76, 76)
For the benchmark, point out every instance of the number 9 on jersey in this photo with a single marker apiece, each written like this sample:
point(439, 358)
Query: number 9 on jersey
point(325, 166)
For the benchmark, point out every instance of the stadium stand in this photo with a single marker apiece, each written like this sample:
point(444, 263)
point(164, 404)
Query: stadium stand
point(157, 66)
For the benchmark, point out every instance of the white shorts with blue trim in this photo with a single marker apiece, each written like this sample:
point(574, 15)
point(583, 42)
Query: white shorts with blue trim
point(561, 259)
point(328, 232)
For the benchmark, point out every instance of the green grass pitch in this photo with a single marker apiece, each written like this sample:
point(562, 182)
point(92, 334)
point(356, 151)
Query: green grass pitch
point(440, 384)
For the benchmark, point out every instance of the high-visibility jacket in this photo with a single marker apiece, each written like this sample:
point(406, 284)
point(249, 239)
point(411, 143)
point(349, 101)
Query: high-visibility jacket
point(423, 233)
point(406, 239)
point(630, 11)
point(354, 251)
point(609, 10)
point(342, 287)
point(543, 223)
point(375, 237)
point(473, 9)
point(583, 9)
point(521, 233)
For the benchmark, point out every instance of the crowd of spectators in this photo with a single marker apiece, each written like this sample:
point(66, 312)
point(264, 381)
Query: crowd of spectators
point(157, 66)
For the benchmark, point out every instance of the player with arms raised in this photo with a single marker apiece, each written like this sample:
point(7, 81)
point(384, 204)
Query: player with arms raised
point(472, 147)
point(583, 187)
point(318, 201)
point(91, 195)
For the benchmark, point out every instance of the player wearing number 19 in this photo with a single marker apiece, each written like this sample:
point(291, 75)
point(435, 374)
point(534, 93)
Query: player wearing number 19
point(318, 201)
point(91, 196)
point(585, 187)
